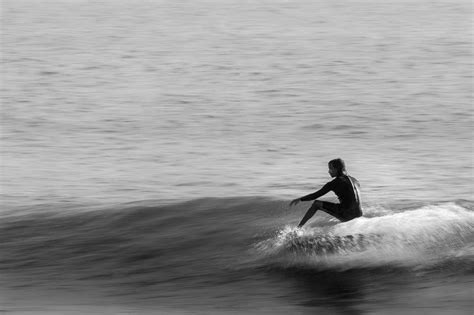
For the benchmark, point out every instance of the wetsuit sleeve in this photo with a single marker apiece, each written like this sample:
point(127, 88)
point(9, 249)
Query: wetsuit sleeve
point(326, 188)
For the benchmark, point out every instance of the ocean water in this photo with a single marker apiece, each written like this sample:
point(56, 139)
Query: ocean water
point(149, 150)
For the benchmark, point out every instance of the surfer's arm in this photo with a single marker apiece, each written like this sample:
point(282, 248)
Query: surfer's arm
point(326, 188)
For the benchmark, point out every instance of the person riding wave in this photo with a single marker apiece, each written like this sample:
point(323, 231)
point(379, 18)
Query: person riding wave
point(346, 189)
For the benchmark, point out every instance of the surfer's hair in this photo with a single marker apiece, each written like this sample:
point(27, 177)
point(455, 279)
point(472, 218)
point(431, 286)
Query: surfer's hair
point(339, 165)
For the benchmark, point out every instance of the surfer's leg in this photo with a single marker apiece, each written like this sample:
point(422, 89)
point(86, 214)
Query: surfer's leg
point(311, 211)
point(333, 209)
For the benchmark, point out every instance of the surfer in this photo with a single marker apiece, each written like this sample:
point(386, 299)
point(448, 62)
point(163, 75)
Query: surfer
point(346, 189)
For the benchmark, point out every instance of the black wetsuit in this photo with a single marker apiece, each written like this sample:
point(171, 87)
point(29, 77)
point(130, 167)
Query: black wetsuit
point(346, 189)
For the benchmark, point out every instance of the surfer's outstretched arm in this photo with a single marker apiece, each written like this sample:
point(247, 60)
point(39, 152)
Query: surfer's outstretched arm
point(326, 188)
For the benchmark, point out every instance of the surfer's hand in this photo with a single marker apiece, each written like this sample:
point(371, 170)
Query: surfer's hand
point(295, 202)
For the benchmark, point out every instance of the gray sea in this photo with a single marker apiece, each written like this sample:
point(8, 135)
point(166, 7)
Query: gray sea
point(149, 150)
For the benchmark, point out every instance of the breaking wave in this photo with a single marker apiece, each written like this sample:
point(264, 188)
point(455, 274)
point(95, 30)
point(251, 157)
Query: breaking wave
point(203, 240)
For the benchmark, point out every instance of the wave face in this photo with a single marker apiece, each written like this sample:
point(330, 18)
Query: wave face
point(216, 228)
point(201, 248)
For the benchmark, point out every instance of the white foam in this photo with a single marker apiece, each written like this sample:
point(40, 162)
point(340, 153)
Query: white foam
point(419, 237)
point(429, 221)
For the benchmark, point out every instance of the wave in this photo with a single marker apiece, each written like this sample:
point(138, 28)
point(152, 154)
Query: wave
point(160, 241)
point(128, 240)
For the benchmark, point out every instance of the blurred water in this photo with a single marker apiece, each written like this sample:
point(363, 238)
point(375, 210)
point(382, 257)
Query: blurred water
point(112, 101)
